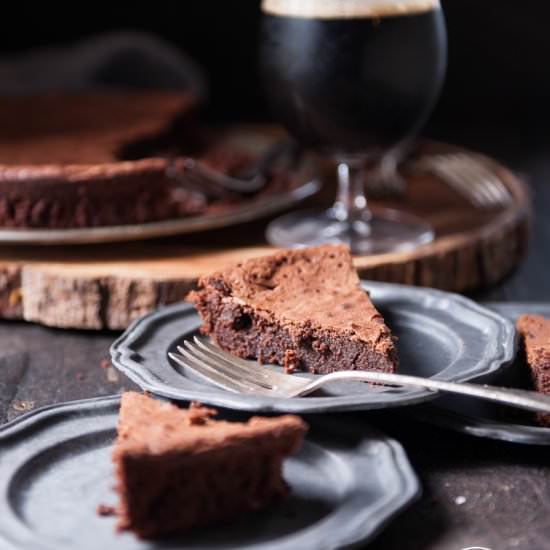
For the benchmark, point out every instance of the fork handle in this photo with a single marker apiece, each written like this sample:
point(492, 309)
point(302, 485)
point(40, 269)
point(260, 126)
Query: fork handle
point(522, 399)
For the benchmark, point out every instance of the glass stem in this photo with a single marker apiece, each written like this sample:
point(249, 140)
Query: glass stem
point(351, 203)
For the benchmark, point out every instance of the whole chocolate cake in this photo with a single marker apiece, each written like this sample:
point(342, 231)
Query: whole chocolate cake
point(104, 159)
point(178, 469)
point(304, 309)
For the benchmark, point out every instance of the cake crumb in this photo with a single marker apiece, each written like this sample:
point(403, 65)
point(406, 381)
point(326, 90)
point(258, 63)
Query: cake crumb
point(105, 510)
point(112, 375)
point(23, 406)
point(110, 371)
point(291, 363)
point(198, 414)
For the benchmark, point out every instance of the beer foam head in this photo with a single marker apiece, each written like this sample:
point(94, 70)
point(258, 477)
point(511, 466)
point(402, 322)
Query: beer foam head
point(347, 9)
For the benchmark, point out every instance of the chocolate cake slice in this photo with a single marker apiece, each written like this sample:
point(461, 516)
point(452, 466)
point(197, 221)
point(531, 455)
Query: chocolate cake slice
point(303, 309)
point(178, 469)
point(535, 332)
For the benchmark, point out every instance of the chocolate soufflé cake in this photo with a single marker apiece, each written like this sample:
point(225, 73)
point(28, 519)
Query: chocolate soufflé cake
point(177, 469)
point(535, 332)
point(303, 309)
point(105, 159)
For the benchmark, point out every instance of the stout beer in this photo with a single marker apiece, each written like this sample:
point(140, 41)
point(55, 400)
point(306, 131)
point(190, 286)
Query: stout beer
point(350, 76)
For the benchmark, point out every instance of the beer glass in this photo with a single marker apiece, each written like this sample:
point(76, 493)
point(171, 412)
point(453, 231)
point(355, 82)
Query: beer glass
point(352, 79)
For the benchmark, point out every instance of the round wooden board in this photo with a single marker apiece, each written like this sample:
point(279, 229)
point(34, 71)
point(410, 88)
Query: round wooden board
point(107, 286)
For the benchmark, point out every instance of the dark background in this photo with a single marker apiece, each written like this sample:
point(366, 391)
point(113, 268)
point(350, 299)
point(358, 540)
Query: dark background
point(496, 99)
point(499, 72)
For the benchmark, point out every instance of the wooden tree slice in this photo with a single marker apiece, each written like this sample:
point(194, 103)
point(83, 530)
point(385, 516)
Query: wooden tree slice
point(108, 286)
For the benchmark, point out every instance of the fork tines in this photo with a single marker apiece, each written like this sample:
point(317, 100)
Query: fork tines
point(470, 177)
point(227, 371)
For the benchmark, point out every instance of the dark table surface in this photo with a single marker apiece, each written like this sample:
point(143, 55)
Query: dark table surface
point(476, 492)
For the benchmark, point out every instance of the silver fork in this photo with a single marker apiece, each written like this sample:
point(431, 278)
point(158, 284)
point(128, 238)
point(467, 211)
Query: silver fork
point(469, 176)
point(239, 376)
point(197, 175)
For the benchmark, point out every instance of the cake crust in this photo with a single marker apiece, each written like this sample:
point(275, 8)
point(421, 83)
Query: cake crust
point(300, 308)
point(178, 469)
point(535, 332)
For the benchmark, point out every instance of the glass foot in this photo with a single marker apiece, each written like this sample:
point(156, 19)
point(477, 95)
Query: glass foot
point(382, 231)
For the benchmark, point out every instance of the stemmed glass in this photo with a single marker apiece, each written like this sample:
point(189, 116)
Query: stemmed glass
point(352, 79)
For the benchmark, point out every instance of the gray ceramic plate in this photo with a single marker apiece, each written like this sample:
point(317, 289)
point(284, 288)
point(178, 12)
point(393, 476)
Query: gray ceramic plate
point(484, 419)
point(346, 483)
point(440, 335)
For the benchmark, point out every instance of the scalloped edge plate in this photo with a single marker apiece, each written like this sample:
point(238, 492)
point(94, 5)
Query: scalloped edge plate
point(483, 342)
point(452, 412)
point(361, 477)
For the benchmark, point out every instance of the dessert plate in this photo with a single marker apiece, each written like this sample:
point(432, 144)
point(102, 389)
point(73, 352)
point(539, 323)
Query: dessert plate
point(346, 483)
point(485, 419)
point(440, 335)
